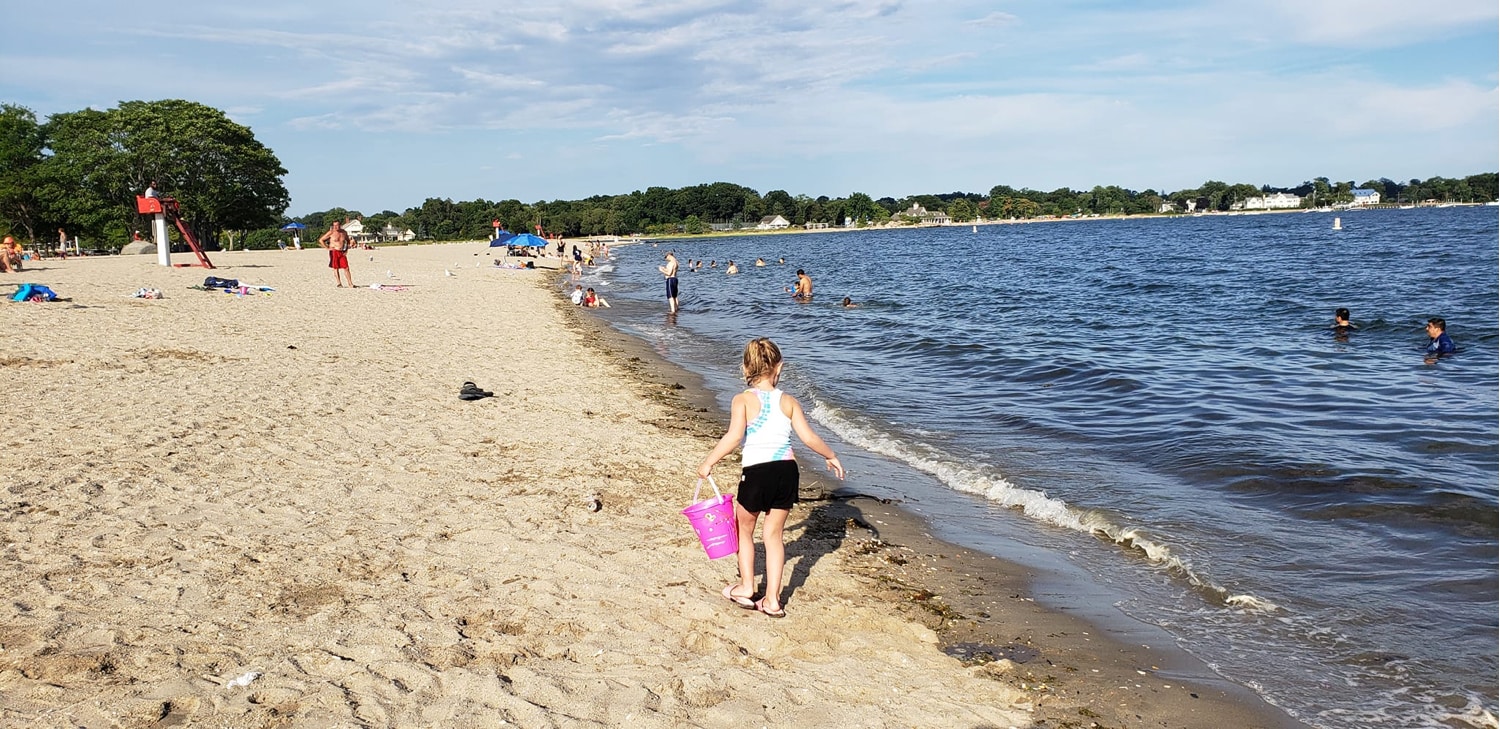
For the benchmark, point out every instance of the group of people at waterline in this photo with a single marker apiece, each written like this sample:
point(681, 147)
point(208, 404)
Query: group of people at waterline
point(801, 289)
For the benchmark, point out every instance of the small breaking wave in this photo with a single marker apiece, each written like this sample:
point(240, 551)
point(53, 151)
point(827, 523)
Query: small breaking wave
point(1032, 503)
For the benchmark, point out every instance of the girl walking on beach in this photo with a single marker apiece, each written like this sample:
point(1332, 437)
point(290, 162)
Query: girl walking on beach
point(764, 417)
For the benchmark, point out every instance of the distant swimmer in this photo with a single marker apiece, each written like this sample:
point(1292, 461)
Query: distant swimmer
point(1341, 324)
point(804, 288)
point(731, 268)
point(759, 262)
point(781, 261)
point(1441, 344)
point(848, 303)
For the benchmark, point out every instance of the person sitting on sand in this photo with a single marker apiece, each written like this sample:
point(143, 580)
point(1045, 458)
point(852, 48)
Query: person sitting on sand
point(592, 300)
point(10, 255)
point(577, 296)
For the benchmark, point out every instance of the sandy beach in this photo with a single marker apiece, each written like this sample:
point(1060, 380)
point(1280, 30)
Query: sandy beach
point(273, 510)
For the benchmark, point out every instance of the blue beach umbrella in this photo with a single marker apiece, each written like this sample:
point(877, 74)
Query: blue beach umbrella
point(503, 239)
point(528, 240)
point(293, 226)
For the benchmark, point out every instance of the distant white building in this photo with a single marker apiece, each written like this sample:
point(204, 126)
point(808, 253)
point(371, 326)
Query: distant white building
point(773, 222)
point(356, 231)
point(1365, 196)
point(1276, 201)
point(1167, 207)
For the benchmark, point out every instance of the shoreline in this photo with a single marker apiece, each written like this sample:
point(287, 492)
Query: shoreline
point(980, 606)
point(274, 510)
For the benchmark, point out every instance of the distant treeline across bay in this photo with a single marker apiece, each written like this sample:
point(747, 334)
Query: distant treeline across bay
point(81, 172)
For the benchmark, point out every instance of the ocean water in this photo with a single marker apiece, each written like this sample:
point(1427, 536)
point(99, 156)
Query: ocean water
point(1159, 408)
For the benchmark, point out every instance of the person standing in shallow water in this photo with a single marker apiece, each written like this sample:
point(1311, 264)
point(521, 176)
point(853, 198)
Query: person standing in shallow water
point(669, 270)
point(337, 243)
point(765, 418)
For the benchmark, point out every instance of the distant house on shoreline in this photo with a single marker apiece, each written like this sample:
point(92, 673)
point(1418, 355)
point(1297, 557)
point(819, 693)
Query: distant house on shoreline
point(1365, 196)
point(356, 231)
point(773, 222)
point(1276, 201)
point(924, 216)
point(391, 232)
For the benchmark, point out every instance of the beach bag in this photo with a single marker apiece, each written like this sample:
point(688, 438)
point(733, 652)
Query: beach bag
point(713, 520)
point(34, 292)
point(214, 282)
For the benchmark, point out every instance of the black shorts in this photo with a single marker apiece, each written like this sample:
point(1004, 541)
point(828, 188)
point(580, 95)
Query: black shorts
point(767, 486)
point(672, 287)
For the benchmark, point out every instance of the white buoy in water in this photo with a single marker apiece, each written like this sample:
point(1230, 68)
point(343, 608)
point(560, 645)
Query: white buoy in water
point(1338, 224)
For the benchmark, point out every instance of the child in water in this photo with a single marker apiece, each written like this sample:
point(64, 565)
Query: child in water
point(765, 418)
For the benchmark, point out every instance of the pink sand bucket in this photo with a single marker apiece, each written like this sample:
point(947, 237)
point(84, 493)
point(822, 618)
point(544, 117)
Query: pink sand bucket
point(713, 520)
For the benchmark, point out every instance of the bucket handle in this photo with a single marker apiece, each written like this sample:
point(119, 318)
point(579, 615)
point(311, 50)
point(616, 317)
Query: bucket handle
point(699, 487)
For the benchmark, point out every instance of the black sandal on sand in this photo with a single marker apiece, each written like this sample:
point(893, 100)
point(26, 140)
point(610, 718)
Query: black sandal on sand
point(470, 391)
point(777, 613)
point(743, 602)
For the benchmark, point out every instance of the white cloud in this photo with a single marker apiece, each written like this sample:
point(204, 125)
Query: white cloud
point(1083, 94)
point(996, 20)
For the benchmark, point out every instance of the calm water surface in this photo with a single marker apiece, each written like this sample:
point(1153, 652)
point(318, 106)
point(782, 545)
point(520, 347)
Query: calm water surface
point(1160, 405)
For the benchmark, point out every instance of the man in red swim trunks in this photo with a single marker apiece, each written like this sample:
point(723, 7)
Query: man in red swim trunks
point(337, 243)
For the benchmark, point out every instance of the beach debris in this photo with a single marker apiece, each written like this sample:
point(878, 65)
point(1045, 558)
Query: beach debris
point(243, 680)
point(446, 272)
point(148, 293)
point(595, 502)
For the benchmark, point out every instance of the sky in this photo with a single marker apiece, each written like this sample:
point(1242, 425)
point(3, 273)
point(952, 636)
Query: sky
point(378, 105)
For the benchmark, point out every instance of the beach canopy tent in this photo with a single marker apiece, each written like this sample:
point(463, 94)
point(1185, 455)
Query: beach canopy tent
point(293, 226)
point(502, 238)
point(527, 240)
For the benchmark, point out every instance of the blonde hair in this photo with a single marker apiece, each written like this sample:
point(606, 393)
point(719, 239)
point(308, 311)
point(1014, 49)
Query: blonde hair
point(761, 357)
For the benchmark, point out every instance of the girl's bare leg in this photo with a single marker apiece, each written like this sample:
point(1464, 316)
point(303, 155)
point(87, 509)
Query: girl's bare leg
point(775, 555)
point(745, 521)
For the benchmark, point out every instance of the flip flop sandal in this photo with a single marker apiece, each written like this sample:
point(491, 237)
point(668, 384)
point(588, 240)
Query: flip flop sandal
point(777, 613)
point(743, 602)
point(470, 391)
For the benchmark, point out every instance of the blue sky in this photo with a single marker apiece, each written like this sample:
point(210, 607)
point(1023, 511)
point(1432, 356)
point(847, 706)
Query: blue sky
point(378, 105)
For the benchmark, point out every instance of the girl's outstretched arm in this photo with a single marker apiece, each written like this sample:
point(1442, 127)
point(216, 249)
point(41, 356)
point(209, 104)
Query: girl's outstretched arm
point(805, 432)
point(731, 437)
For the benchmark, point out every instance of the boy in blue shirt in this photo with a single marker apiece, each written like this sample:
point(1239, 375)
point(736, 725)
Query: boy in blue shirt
point(1441, 343)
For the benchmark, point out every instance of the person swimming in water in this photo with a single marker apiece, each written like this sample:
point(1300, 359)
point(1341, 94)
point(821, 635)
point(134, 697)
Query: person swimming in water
point(1441, 344)
point(1341, 324)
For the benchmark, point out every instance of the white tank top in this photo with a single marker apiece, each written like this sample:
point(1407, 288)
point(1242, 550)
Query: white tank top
point(769, 436)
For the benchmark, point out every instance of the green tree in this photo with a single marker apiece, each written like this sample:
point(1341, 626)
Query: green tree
point(21, 144)
point(221, 176)
point(961, 210)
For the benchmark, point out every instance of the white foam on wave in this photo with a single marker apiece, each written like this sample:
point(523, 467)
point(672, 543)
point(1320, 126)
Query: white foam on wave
point(1030, 502)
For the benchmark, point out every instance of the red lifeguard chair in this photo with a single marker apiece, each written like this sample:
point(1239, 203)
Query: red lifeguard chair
point(167, 208)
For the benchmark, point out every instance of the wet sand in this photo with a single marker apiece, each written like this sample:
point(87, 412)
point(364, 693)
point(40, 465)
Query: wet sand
point(274, 510)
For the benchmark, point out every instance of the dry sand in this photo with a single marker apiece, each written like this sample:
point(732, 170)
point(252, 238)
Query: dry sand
point(285, 489)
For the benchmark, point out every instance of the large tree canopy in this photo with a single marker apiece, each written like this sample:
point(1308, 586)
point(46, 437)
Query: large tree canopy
point(90, 165)
point(20, 152)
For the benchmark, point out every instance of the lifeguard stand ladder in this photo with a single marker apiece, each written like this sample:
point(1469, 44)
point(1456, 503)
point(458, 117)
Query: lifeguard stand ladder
point(164, 209)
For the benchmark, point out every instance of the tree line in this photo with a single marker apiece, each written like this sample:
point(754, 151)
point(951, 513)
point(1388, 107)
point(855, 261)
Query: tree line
point(81, 171)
